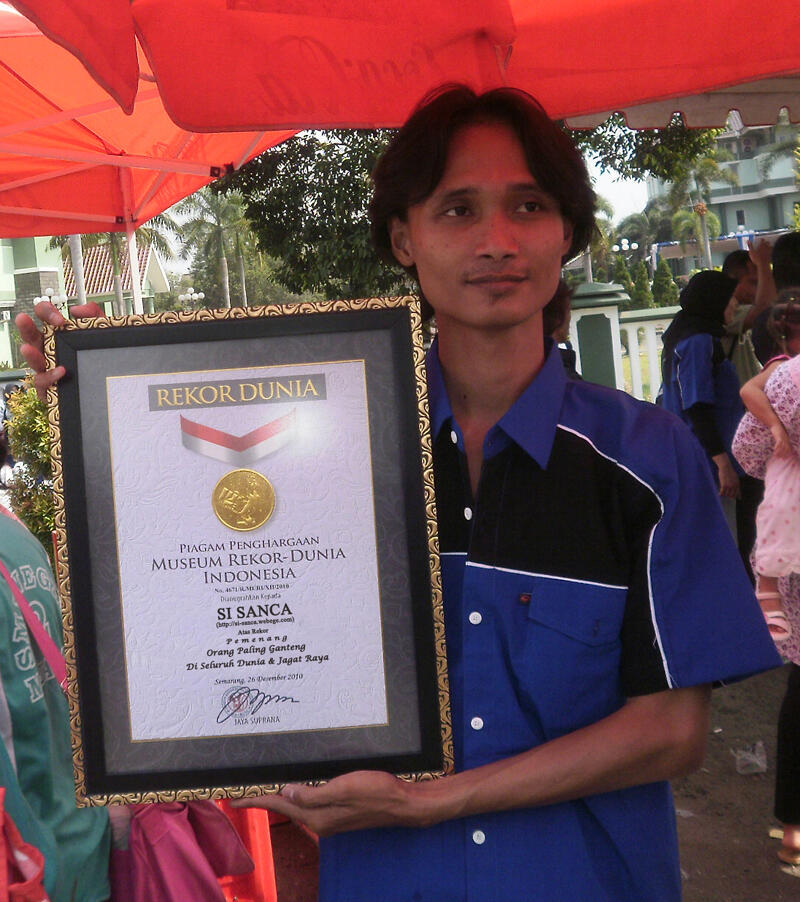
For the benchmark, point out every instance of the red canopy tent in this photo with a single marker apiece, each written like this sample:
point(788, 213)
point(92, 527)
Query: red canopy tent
point(72, 161)
point(243, 64)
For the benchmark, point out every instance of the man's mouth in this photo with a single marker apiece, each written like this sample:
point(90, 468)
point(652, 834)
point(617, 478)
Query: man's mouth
point(500, 278)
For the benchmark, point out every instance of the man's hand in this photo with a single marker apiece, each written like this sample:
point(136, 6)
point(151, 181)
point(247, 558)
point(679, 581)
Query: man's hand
point(760, 253)
point(728, 478)
point(32, 348)
point(652, 737)
point(356, 801)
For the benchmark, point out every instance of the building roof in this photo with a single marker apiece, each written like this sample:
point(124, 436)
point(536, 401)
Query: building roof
point(99, 274)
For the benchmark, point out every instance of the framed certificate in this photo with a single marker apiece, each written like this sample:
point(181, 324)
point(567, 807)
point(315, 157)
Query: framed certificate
point(247, 549)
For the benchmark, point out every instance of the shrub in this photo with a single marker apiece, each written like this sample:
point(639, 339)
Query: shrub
point(31, 490)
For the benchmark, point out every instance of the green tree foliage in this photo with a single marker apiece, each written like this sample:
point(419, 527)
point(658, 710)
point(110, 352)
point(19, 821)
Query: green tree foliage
point(622, 276)
point(307, 202)
point(307, 199)
point(600, 247)
point(210, 222)
point(690, 193)
point(662, 152)
point(689, 226)
point(642, 294)
point(31, 490)
point(665, 291)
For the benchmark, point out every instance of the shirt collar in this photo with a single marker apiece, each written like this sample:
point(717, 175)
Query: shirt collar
point(532, 420)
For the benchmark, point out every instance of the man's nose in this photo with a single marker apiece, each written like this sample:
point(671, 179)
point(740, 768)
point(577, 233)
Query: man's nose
point(498, 238)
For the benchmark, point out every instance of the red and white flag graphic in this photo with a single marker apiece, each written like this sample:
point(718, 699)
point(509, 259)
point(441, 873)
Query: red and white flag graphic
point(238, 450)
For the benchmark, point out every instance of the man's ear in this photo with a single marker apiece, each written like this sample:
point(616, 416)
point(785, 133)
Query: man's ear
point(568, 232)
point(401, 241)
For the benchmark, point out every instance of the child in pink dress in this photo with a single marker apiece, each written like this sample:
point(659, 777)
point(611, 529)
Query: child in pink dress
point(771, 397)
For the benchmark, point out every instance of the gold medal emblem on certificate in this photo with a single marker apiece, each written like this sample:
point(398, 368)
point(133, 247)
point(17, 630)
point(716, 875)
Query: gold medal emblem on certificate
point(243, 500)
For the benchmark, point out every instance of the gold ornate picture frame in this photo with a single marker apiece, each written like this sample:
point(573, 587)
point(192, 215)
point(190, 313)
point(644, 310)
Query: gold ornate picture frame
point(247, 549)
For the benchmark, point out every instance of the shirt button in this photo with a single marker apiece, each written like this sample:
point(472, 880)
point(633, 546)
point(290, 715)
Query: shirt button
point(467, 513)
point(476, 723)
point(453, 437)
point(475, 617)
point(478, 837)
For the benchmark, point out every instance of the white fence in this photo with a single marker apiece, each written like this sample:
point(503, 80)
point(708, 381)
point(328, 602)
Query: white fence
point(641, 365)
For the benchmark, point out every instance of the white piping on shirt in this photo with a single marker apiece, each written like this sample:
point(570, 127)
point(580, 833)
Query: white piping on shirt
point(667, 674)
point(567, 579)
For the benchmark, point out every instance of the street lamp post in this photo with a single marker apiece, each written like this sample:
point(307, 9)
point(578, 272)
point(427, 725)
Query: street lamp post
point(58, 300)
point(625, 246)
point(192, 298)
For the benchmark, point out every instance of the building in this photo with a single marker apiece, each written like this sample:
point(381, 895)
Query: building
point(763, 201)
point(29, 267)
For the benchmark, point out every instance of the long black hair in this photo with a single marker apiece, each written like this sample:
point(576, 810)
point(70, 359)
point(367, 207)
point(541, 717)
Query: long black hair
point(703, 303)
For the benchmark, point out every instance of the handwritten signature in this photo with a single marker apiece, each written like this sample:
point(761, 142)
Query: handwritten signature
point(240, 700)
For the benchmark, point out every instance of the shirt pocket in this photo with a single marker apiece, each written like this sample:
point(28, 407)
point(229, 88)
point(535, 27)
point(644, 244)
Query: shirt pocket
point(569, 666)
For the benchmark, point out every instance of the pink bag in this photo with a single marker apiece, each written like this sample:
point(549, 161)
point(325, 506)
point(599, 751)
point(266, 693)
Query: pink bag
point(177, 851)
point(21, 864)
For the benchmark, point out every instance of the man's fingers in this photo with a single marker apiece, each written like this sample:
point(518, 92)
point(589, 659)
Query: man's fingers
point(274, 802)
point(84, 311)
point(29, 330)
point(34, 357)
point(45, 380)
point(49, 314)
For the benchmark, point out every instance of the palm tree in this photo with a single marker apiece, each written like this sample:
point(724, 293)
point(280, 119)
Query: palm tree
point(694, 226)
point(156, 233)
point(213, 221)
point(600, 247)
point(691, 191)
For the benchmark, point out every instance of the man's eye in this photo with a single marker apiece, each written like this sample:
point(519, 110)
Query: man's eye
point(530, 206)
point(458, 210)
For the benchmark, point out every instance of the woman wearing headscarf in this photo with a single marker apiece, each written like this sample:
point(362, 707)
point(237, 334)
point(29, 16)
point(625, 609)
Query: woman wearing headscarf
point(700, 384)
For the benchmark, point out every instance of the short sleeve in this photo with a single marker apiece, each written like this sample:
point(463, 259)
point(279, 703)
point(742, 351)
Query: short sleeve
point(688, 582)
point(695, 370)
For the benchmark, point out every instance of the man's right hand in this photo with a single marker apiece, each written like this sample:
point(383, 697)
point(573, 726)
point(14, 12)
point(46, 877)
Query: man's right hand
point(32, 348)
point(729, 486)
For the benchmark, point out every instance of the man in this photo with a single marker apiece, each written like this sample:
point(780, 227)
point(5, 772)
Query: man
point(786, 273)
point(754, 293)
point(583, 628)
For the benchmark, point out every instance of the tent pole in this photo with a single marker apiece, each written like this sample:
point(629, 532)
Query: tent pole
point(76, 253)
point(133, 262)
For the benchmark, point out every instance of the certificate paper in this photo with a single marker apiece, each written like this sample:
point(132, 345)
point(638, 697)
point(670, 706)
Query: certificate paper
point(247, 550)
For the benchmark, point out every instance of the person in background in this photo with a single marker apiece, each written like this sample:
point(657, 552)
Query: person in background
point(777, 551)
point(700, 384)
point(786, 274)
point(754, 293)
point(556, 325)
point(36, 755)
point(760, 444)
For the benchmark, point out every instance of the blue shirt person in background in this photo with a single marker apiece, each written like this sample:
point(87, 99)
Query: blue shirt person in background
point(700, 383)
point(583, 631)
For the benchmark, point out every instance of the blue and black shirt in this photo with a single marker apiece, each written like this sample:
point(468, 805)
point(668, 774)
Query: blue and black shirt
point(594, 565)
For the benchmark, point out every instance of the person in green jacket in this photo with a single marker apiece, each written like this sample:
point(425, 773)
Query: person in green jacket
point(36, 753)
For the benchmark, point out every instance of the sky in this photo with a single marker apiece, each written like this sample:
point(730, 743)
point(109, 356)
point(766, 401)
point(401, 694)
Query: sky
point(624, 195)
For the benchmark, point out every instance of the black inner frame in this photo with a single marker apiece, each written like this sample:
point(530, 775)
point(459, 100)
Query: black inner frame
point(69, 345)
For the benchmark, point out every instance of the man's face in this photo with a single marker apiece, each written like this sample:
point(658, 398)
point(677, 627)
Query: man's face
point(488, 243)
